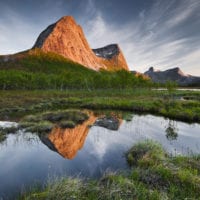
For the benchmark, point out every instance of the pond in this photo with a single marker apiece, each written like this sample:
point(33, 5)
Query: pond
point(84, 151)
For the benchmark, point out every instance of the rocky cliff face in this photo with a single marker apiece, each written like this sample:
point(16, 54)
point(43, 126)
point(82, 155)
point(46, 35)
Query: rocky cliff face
point(66, 38)
point(174, 74)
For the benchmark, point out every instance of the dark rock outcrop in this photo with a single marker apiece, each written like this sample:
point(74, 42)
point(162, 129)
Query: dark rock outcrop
point(175, 75)
point(42, 37)
point(107, 52)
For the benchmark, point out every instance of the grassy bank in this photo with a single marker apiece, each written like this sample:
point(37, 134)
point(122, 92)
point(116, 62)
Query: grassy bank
point(154, 175)
point(179, 105)
point(43, 123)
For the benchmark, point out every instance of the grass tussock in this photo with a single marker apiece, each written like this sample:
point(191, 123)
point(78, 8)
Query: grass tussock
point(4, 131)
point(8, 130)
point(154, 175)
point(43, 123)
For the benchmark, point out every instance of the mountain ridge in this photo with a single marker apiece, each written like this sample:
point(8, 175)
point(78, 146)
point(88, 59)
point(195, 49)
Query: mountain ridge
point(172, 74)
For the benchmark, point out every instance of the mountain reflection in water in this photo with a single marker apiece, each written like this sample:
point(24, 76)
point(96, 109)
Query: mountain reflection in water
point(67, 142)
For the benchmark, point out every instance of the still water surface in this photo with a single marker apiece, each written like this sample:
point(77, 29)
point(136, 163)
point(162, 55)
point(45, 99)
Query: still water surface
point(86, 152)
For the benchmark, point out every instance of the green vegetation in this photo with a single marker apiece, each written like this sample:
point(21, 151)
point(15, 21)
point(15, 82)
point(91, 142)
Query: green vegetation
point(178, 177)
point(2, 136)
point(43, 123)
point(171, 87)
point(154, 175)
point(39, 70)
point(7, 130)
point(16, 104)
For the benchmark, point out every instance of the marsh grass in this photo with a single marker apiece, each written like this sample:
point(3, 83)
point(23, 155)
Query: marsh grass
point(44, 122)
point(16, 104)
point(2, 136)
point(67, 124)
point(8, 130)
point(146, 153)
point(154, 175)
point(177, 176)
point(43, 127)
point(4, 131)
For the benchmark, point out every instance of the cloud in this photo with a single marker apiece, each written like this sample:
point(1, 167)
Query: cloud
point(99, 34)
point(191, 60)
point(19, 32)
point(183, 12)
point(154, 38)
point(14, 32)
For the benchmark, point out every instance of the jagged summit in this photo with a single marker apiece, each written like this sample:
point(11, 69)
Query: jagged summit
point(66, 21)
point(66, 37)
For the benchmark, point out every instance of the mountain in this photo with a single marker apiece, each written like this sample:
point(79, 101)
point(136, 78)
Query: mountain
point(66, 38)
point(174, 74)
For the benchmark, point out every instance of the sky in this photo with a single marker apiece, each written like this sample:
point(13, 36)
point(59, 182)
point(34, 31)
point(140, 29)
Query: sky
point(159, 33)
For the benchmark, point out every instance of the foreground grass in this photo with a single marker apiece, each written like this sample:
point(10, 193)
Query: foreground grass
point(154, 175)
point(14, 104)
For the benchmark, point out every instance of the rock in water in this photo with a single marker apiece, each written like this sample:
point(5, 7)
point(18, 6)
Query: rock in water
point(66, 38)
point(111, 123)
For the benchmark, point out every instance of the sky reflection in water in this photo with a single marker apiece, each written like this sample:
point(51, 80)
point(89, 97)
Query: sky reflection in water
point(25, 159)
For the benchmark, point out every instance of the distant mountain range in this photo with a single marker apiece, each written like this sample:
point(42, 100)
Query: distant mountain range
point(174, 74)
